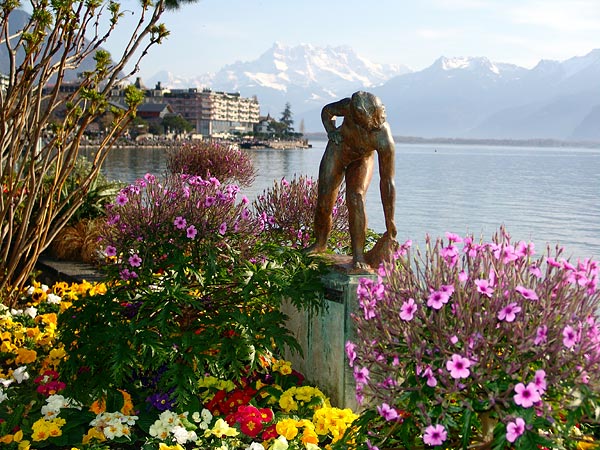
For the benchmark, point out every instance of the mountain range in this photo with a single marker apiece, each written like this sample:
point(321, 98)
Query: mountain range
point(455, 97)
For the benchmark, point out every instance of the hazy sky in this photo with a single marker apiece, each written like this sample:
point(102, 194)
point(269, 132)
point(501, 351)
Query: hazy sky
point(212, 33)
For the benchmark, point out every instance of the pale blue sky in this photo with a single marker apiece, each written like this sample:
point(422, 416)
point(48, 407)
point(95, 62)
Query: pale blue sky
point(212, 33)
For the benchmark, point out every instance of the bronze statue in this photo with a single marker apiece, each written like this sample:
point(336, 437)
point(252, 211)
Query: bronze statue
point(350, 153)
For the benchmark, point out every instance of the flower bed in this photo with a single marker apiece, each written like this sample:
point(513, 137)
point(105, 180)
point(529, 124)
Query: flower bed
point(268, 408)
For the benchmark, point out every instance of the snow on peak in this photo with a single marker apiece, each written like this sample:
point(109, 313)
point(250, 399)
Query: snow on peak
point(467, 63)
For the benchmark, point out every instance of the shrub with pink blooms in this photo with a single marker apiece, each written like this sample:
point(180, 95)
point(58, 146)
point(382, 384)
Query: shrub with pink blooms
point(288, 209)
point(478, 345)
point(223, 161)
point(193, 288)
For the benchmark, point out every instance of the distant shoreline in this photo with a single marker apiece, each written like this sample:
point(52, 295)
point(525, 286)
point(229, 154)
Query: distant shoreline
point(493, 142)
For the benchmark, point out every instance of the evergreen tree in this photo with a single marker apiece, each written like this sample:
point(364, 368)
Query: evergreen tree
point(286, 119)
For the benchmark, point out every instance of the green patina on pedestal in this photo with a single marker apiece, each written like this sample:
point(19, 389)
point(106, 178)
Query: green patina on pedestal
point(323, 335)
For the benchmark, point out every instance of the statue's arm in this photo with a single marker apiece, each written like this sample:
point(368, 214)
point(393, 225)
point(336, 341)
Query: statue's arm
point(328, 115)
point(387, 186)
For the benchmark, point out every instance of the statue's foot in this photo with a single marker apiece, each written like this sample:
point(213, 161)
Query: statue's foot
point(315, 249)
point(361, 264)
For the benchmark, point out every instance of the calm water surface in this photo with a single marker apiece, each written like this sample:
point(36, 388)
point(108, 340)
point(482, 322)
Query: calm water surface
point(544, 195)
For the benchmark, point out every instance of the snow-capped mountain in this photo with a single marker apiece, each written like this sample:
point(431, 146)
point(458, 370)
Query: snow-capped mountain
point(472, 97)
point(306, 76)
point(466, 97)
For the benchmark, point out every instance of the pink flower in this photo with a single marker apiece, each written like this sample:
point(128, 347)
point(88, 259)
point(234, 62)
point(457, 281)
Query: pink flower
point(483, 287)
point(526, 396)
point(191, 232)
point(453, 237)
point(437, 299)
point(535, 271)
point(122, 199)
point(539, 380)
point(135, 260)
point(509, 312)
point(541, 335)
point(408, 309)
point(458, 366)
point(387, 412)
point(435, 435)
point(570, 336)
point(515, 429)
point(428, 373)
point(361, 376)
point(110, 250)
point(179, 223)
point(529, 294)
point(463, 276)
point(223, 228)
point(209, 201)
point(351, 352)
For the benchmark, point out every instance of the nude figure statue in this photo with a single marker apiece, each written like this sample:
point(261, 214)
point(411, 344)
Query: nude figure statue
point(350, 153)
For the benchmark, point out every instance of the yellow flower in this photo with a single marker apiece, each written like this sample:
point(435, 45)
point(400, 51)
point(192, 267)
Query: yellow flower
point(44, 429)
point(221, 429)
point(288, 428)
point(25, 356)
point(93, 433)
point(24, 445)
point(163, 446)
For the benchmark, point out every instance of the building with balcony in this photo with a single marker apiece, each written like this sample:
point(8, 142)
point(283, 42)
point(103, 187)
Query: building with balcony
point(215, 113)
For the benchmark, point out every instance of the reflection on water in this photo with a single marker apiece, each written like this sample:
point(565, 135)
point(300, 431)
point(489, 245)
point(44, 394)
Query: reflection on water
point(546, 195)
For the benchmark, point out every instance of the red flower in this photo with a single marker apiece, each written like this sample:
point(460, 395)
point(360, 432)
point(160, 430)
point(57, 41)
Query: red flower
point(270, 432)
point(252, 426)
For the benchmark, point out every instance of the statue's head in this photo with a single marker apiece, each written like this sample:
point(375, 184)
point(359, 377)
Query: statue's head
point(368, 110)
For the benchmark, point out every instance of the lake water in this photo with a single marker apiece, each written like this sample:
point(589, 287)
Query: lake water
point(544, 195)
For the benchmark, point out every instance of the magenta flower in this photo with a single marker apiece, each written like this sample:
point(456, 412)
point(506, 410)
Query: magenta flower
point(437, 299)
point(209, 201)
point(121, 198)
point(408, 309)
point(529, 294)
point(435, 435)
point(458, 366)
point(223, 228)
point(387, 412)
point(539, 380)
point(570, 336)
point(351, 352)
point(509, 312)
point(361, 376)
point(110, 250)
point(541, 335)
point(535, 271)
point(135, 260)
point(191, 232)
point(453, 237)
point(483, 287)
point(431, 380)
point(179, 223)
point(515, 429)
point(526, 396)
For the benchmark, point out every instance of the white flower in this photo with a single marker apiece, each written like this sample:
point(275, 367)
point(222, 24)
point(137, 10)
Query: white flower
point(203, 419)
point(30, 290)
point(53, 298)
point(280, 443)
point(5, 382)
point(20, 374)
point(255, 446)
point(3, 395)
point(31, 312)
point(182, 435)
point(16, 312)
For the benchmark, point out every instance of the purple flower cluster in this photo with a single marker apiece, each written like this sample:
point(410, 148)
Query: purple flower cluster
point(153, 220)
point(487, 325)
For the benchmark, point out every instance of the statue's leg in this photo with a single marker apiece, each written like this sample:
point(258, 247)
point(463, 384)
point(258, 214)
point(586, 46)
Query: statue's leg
point(358, 177)
point(331, 174)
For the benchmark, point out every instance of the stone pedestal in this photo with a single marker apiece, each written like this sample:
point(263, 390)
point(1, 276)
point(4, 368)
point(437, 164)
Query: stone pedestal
point(323, 336)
